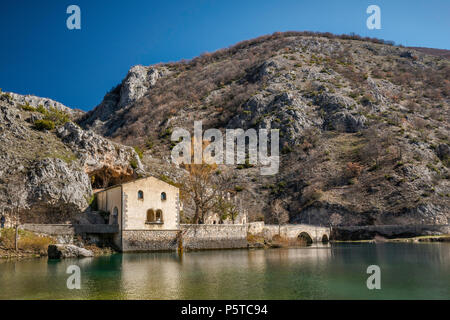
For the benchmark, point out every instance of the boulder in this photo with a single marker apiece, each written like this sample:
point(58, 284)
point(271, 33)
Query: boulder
point(62, 251)
point(333, 102)
point(345, 121)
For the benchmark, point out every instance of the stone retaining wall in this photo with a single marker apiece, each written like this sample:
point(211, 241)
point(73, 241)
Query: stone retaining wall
point(99, 234)
point(63, 233)
point(149, 240)
point(255, 227)
point(214, 236)
point(193, 237)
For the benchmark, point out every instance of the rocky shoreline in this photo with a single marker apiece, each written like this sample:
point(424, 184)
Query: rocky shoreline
point(9, 254)
point(419, 239)
point(33, 245)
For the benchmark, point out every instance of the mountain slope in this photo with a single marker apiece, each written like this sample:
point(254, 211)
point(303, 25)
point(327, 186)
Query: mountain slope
point(364, 125)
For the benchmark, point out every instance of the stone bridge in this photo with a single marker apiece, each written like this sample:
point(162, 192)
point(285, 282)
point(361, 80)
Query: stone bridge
point(312, 234)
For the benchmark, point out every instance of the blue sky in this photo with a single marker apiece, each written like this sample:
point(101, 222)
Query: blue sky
point(39, 55)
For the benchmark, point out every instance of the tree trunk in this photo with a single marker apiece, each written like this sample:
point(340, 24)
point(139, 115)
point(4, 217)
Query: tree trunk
point(196, 215)
point(180, 243)
point(16, 241)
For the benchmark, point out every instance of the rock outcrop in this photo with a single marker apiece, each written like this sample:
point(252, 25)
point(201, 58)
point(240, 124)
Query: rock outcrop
point(137, 83)
point(34, 101)
point(103, 160)
point(64, 251)
point(46, 176)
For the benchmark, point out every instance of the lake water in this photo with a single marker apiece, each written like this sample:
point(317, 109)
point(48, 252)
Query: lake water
point(338, 271)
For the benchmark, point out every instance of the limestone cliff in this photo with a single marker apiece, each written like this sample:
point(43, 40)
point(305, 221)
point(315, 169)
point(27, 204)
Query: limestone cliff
point(47, 174)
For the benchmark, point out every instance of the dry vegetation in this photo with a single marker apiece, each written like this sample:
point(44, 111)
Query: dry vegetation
point(28, 243)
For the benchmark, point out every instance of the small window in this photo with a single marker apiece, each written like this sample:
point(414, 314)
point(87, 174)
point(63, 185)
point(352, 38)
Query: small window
point(140, 195)
point(163, 196)
point(113, 218)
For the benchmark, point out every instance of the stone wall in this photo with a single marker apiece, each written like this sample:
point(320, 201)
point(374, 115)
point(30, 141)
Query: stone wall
point(99, 234)
point(194, 237)
point(214, 236)
point(63, 233)
point(255, 227)
point(149, 240)
point(387, 231)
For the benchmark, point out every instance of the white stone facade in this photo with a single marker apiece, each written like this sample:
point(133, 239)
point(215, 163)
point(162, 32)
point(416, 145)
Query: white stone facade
point(142, 205)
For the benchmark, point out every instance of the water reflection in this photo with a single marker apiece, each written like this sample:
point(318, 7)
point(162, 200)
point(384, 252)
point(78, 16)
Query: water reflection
point(415, 271)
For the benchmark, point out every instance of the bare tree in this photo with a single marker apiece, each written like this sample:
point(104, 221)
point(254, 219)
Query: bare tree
point(198, 186)
point(15, 187)
point(203, 186)
point(335, 219)
point(279, 214)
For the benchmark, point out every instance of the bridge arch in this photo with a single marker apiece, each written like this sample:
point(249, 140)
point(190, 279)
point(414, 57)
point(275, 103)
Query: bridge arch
point(325, 239)
point(305, 237)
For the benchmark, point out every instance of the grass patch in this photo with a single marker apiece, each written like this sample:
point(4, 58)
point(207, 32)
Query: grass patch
point(27, 241)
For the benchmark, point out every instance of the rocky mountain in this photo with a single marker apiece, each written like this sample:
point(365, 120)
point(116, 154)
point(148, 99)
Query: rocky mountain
point(364, 124)
point(49, 165)
point(364, 132)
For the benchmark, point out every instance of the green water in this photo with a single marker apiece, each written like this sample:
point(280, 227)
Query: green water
point(408, 271)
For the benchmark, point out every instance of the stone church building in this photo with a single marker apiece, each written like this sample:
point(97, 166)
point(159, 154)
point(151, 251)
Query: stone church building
point(145, 209)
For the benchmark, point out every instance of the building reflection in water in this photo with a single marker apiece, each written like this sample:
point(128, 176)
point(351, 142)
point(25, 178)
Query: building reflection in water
point(211, 274)
point(337, 271)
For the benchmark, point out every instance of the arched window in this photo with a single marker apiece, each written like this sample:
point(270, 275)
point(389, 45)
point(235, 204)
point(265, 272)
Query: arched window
point(153, 217)
point(150, 215)
point(140, 195)
point(113, 217)
point(163, 196)
point(159, 216)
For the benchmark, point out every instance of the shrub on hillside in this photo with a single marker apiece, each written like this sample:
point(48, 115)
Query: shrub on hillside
point(311, 194)
point(27, 107)
point(59, 117)
point(44, 125)
point(139, 152)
